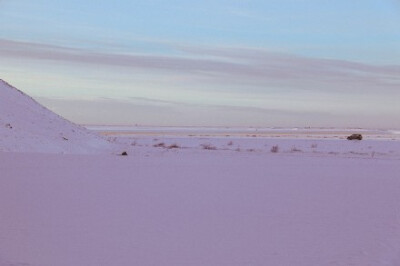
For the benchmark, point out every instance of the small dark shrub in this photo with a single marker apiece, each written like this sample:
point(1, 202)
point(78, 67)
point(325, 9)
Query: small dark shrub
point(275, 149)
point(173, 146)
point(208, 147)
point(159, 145)
point(294, 149)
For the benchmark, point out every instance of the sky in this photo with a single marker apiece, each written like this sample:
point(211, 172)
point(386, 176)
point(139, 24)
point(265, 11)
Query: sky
point(261, 63)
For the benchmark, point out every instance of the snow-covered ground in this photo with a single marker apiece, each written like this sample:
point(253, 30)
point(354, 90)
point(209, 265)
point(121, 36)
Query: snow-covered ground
point(245, 132)
point(194, 196)
point(26, 126)
point(225, 146)
point(198, 207)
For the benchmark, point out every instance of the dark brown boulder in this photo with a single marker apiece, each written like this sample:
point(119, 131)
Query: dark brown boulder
point(355, 137)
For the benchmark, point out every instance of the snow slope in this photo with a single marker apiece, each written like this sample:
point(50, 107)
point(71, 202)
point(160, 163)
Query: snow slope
point(27, 126)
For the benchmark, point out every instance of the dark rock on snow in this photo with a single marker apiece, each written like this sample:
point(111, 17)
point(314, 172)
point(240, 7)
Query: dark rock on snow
point(355, 137)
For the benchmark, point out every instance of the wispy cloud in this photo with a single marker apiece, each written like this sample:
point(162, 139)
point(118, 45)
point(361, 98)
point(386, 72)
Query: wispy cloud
point(229, 65)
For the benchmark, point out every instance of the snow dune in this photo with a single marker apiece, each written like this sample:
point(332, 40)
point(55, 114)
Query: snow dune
point(27, 126)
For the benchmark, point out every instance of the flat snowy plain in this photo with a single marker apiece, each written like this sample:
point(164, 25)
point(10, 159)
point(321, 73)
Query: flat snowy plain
point(192, 196)
point(180, 200)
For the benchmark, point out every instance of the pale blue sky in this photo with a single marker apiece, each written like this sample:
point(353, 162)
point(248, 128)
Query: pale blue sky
point(228, 63)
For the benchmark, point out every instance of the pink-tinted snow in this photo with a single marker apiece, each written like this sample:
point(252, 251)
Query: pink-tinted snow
point(26, 126)
point(190, 200)
point(183, 208)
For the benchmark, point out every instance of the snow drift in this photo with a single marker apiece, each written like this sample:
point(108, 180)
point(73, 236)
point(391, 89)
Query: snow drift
point(27, 126)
